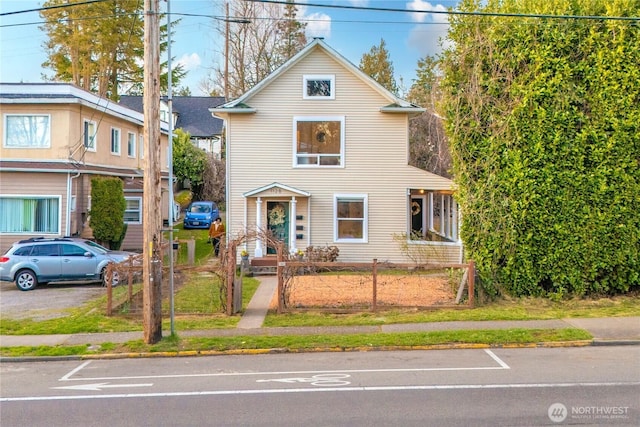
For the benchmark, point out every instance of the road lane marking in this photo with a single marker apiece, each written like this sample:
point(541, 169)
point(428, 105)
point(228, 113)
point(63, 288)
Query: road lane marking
point(327, 389)
point(324, 380)
point(101, 386)
point(497, 359)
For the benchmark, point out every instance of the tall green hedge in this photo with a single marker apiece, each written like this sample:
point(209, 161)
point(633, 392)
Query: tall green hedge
point(543, 117)
point(107, 211)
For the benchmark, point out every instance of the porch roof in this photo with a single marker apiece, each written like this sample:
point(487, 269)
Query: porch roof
point(258, 191)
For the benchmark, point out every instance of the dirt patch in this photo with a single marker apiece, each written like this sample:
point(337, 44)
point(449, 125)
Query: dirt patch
point(350, 291)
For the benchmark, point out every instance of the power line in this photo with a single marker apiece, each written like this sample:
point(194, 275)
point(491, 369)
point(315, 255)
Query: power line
point(453, 12)
point(58, 6)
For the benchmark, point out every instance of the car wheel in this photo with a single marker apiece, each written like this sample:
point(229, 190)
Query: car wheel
point(26, 280)
point(115, 280)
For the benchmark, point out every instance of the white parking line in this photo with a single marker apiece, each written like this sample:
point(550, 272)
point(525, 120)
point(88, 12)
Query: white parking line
point(501, 365)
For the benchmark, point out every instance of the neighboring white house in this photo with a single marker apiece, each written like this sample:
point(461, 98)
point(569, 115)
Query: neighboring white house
point(191, 114)
point(318, 153)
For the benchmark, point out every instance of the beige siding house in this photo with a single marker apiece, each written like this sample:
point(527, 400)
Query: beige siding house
point(55, 138)
point(318, 152)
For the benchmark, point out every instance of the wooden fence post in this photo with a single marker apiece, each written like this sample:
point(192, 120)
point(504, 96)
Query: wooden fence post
point(374, 268)
point(471, 285)
point(279, 275)
point(231, 274)
point(107, 277)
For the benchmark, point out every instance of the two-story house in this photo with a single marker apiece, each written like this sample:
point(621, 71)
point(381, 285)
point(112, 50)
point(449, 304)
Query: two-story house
point(318, 154)
point(55, 138)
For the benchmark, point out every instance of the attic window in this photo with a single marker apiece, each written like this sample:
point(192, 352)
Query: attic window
point(318, 87)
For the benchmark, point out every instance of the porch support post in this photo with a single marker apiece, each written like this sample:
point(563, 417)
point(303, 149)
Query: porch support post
point(292, 226)
point(258, 251)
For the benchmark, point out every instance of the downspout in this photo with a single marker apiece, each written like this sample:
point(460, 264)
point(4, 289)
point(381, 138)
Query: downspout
point(67, 224)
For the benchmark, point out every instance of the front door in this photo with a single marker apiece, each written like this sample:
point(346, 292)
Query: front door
point(278, 223)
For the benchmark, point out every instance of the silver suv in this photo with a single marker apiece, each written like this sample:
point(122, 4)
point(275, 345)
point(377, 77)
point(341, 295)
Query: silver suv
point(65, 259)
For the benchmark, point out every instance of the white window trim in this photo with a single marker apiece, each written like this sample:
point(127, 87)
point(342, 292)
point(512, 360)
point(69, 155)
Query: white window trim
point(39, 196)
point(129, 134)
point(330, 77)
point(365, 223)
point(116, 153)
point(141, 145)
point(453, 227)
point(297, 119)
point(92, 147)
point(6, 128)
point(140, 204)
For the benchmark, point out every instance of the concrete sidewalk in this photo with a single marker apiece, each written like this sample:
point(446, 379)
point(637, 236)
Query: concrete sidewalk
point(606, 331)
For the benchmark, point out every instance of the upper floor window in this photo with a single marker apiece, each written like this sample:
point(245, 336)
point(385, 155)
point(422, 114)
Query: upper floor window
point(318, 141)
point(27, 130)
point(131, 144)
point(318, 87)
point(350, 212)
point(89, 135)
point(115, 141)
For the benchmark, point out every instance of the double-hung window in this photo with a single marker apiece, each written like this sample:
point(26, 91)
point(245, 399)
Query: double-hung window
point(133, 210)
point(115, 141)
point(89, 135)
point(350, 213)
point(318, 141)
point(131, 144)
point(27, 131)
point(30, 214)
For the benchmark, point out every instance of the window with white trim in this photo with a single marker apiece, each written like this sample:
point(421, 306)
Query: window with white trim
point(318, 141)
point(133, 210)
point(115, 141)
point(30, 214)
point(27, 131)
point(433, 216)
point(350, 213)
point(141, 144)
point(131, 144)
point(318, 86)
point(89, 135)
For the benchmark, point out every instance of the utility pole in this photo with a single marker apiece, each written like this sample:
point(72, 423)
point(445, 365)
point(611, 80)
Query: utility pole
point(227, 21)
point(152, 259)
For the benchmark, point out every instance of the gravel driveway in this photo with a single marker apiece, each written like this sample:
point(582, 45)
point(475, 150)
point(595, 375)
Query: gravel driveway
point(45, 301)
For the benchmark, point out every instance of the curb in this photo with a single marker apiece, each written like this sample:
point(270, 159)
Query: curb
point(198, 353)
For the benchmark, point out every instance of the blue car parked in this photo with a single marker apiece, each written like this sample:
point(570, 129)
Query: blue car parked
point(200, 215)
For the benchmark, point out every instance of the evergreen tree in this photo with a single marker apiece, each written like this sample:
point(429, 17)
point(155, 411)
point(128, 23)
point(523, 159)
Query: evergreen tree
point(291, 32)
point(378, 65)
point(99, 46)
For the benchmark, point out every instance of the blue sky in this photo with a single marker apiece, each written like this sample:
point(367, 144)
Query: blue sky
point(197, 45)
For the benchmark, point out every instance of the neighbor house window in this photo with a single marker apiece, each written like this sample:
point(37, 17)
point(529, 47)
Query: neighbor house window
point(115, 141)
point(133, 210)
point(27, 131)
point(350, 211)
point(318, 87)
point(32, 214)
point(131, 144)
point(434, 216)
point(318, 141)
point(141, 143)
point(89, 135)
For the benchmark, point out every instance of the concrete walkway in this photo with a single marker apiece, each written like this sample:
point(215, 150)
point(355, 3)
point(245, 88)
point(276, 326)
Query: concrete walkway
point(257, 309)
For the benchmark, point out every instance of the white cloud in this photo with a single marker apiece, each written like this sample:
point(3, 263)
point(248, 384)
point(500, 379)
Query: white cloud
point(318, 25)
point(427, 17)
point(189, 61)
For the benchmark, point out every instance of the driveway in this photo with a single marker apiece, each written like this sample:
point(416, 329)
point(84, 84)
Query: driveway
point(45, 301)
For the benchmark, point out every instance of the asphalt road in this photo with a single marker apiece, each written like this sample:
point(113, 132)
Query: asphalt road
point(540, 386)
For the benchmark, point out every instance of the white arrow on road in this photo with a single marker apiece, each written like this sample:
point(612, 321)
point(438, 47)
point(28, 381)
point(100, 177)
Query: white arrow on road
point(101, 386)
